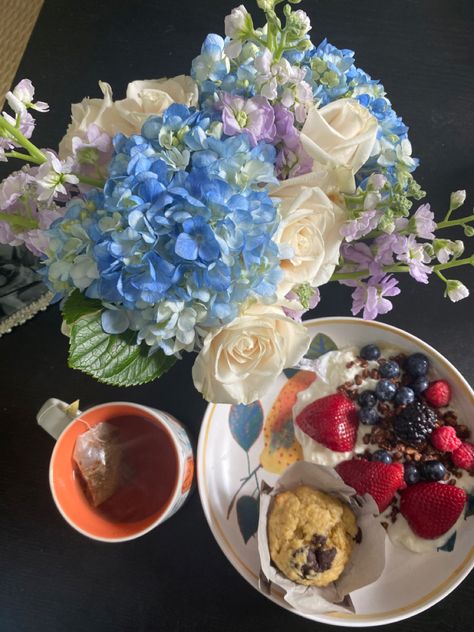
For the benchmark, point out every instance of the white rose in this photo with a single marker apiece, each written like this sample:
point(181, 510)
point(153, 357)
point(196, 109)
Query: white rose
point(101, 112)
point(153, 96)
point(341, 134)
point(239, 362)
point(309, 231)
point(144, 99)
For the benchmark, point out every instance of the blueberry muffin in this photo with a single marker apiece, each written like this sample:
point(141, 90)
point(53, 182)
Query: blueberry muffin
point(311, 535)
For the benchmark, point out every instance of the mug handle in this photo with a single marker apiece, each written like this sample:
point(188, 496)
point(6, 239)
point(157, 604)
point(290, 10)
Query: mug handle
point(55, 415)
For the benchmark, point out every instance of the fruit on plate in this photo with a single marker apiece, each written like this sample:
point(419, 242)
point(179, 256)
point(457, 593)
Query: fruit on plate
point(438, 393)
point(463, 456)
point(380, 480)
point(332, 421)
point(280, 449)
point(414, 423)
point(431, 509)
point(445, 439)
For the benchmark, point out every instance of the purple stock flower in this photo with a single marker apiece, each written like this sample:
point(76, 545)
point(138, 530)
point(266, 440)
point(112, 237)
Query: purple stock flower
point(361, 226)
point(424, 222)
point(371, 296)
point(365, 258)
point(254, 116)
point(414, 254)
point(292, 160)
point(296, 314)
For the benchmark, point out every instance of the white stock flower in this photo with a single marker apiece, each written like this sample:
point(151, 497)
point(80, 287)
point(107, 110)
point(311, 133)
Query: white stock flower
point(238, 24)
point(53, 175)
point(21, 98)
point(144, 99)
point(340, 135)
point(309, 232)
point(456, 290)
point(240, 361)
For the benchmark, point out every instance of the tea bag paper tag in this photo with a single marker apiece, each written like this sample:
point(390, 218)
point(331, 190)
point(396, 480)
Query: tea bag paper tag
point(55, 415)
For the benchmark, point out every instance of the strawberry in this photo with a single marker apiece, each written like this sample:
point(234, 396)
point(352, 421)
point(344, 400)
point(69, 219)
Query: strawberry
point(445, 439)
point(463, 457)
point(431, 509)
point(380, 480)
point(438, 393)
point(332, 421)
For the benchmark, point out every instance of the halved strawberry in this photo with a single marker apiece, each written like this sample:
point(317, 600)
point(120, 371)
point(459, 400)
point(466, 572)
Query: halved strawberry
point(431, 509)
point(380, 480)
point(332, 421)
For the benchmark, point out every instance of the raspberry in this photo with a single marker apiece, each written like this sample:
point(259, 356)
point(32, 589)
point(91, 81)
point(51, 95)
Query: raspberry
point(438, 393)
point(463, 457)
point(445, 439)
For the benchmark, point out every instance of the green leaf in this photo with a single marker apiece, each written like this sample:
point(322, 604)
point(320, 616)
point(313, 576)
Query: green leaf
point(77, 305)
point(449, 545)
point(113, 358)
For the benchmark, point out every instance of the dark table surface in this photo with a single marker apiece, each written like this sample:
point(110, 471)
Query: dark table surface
point(176, 578)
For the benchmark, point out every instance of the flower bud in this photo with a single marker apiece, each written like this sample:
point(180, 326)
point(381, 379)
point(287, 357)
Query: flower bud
point(456, 291)
point(457, 199)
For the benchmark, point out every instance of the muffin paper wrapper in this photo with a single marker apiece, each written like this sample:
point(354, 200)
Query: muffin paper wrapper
point(367, 560)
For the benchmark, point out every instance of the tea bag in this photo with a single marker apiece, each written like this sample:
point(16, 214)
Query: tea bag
point(98, 456)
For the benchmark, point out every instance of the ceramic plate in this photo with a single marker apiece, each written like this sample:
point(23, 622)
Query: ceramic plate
point(241, 446)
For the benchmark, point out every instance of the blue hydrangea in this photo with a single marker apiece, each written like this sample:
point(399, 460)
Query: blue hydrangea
point(173, 250)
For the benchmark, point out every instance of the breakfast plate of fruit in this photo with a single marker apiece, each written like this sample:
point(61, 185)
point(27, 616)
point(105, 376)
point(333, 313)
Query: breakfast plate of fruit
point(388, 417)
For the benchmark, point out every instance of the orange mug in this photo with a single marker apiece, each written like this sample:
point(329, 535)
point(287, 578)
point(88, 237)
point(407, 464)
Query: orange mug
point(159, 457)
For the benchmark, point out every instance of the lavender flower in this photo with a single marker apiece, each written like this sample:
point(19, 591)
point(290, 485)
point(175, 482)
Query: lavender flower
point(254, 116)
point(415, 255)
point(370, 297)
point(424, 222)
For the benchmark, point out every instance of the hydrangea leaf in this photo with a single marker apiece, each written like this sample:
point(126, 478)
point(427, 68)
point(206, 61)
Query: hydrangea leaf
point(114, 359)
point(77, 305)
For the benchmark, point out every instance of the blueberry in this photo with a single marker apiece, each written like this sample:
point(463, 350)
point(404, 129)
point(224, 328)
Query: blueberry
point(367, 399)
point(383, 456)
point(411, 473)
point(433, 470)
point(385, 390)
point(404, 396)
point(370, 352)
point(389, 369)
point(417, 364)
point(369, 416)
point(420, 384)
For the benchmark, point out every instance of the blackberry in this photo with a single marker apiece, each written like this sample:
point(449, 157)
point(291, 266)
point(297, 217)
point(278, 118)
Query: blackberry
point(414, 423)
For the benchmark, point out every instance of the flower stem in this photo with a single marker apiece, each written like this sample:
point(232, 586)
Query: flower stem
point(19, 222)
point(455, 222)
point(22, 140)
point(93, 182)
point(21, 156)
point(455, 263)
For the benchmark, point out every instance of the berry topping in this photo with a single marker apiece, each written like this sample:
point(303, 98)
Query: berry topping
point(369, 416)
point(431, 509)
point(332, 421)
point(412, 473)
point(370, 352)
point(433, 470)
point(445, 439)
point(367, 399)
point(404, 396)
point(463, 457)
point(438, 393)
point(420, 384)
point(382, 455)
point(414, 423)
point(385, 390)
point(389, 369)
point(378, 479)
point(417, 364)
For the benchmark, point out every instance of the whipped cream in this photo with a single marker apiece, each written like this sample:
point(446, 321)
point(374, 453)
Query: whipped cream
point(400, 534)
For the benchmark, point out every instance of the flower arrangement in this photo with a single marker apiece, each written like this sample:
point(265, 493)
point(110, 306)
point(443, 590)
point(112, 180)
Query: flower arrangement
point(203, 212)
